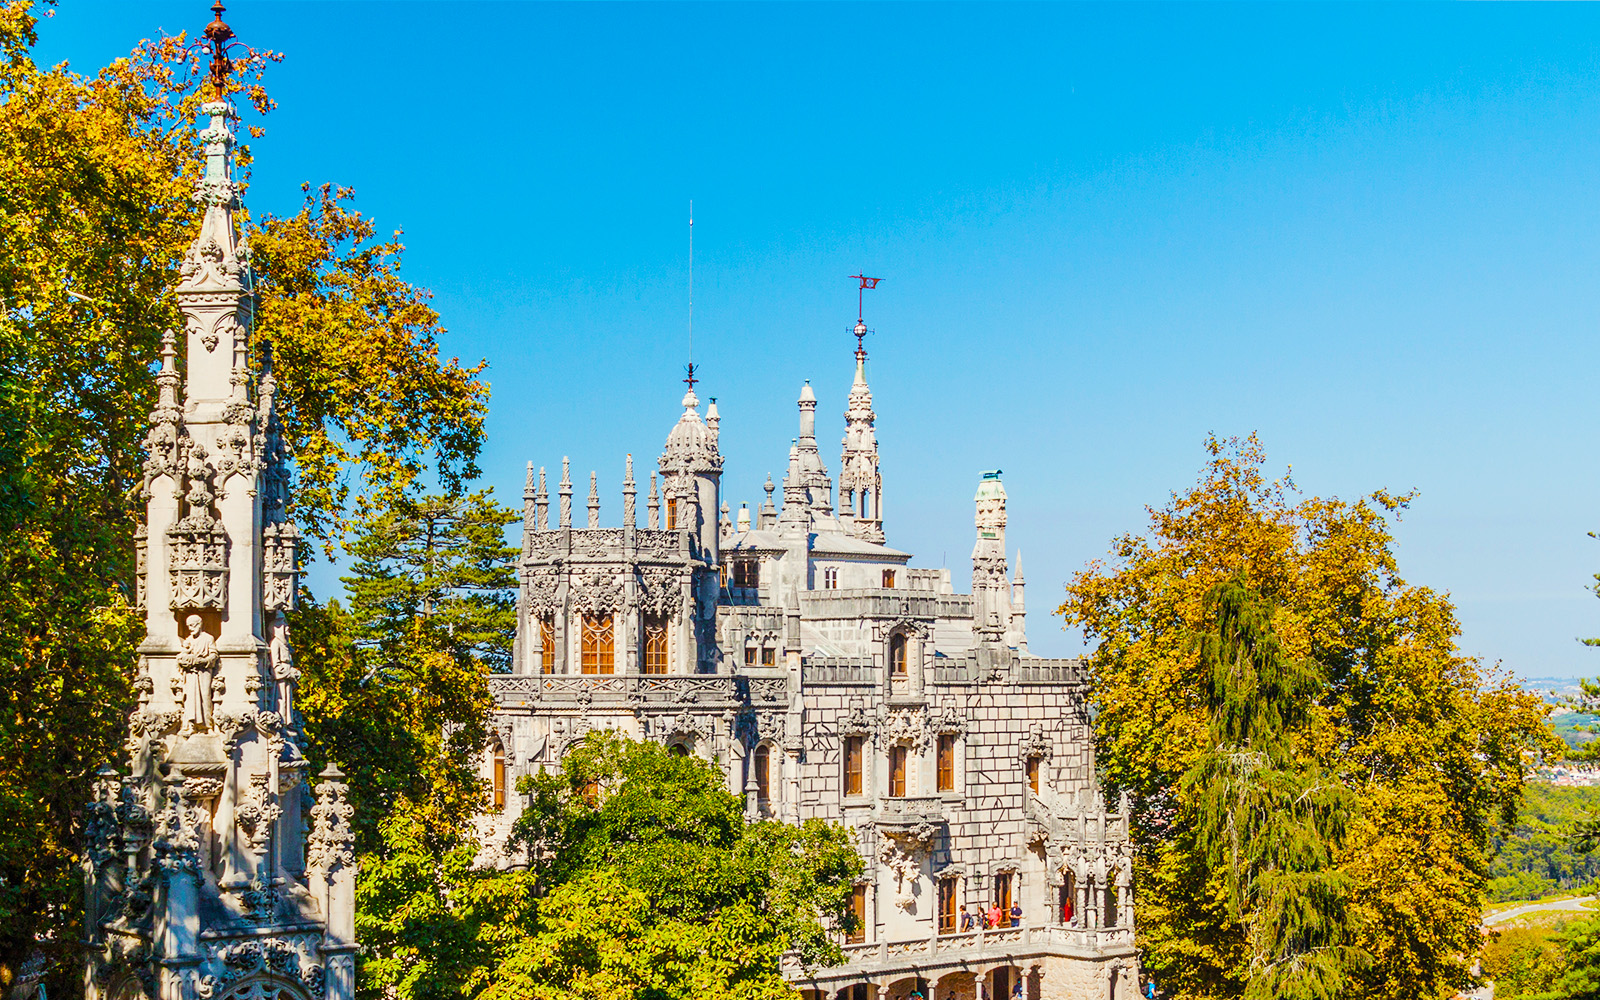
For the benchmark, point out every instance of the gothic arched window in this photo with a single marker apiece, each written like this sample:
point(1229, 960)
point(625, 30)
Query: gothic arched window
point(655, 644)
point(498, 780)
point(897, 655)
point(763, 765)
point(599, 651)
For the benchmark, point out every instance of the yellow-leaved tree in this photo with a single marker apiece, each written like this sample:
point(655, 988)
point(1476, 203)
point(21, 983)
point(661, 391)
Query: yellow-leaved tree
point(97, 173)
point(1424, 748)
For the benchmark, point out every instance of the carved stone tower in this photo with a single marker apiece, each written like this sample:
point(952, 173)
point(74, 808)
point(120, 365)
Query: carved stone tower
point(202, 879)
point(860, 484)
point(991, 593)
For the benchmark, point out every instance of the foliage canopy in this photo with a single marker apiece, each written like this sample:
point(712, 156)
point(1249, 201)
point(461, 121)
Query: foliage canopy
point(1429, 746)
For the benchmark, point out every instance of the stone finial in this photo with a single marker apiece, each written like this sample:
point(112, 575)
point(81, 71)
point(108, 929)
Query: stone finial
point(743, 523)
point(594, 500)
point(629, 494)
point(653, 503)
point(565, 492)
point(541, 504)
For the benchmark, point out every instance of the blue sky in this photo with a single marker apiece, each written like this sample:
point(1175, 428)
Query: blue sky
point(1368, 233)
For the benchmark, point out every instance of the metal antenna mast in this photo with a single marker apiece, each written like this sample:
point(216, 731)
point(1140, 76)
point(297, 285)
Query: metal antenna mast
point(689, 369)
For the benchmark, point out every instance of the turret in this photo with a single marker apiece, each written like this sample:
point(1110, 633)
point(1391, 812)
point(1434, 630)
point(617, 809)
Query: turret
point(691, 471)
point(990, 590)
point(860, 484)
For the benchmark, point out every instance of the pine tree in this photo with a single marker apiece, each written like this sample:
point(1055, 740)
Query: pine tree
point(1266, 812)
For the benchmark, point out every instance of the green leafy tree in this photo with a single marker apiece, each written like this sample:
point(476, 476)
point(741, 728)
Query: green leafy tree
point(1431, 746)
point(96, 177)
point(1265, 811)
point(644, 881)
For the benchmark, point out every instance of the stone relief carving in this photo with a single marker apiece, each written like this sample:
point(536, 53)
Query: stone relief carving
point(596, 591)
point(907, 871)
point(660, 591)
point(542, 588)
point(907, 724)
point(1035, 743)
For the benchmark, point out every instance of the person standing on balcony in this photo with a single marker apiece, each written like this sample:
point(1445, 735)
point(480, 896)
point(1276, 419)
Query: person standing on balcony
point(1016, 914)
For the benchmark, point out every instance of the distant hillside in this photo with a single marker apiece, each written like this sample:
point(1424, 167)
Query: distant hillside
point(1537, 857)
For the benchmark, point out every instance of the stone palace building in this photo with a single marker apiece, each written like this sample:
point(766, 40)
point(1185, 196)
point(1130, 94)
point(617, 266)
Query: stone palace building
point(829, 678)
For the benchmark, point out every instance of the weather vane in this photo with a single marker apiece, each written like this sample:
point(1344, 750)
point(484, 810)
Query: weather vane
point(688, 373)
point(861, 330)
point(219, 37)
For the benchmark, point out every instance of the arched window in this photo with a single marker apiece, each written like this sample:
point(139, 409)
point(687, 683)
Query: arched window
point(599, 651)
point(498, 779)
point(547, 644)
point(678, 750)
point(763, 773)
point(897, 655)
point(655, 644)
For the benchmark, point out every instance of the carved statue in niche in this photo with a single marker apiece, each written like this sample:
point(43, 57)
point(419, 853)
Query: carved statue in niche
point(197, 658)
point(284, 672)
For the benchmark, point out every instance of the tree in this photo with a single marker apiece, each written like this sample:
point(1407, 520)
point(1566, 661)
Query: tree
point(650, 883)
point(644, 880)
point(96, 178)
point(1266, 812)
point(1430, 745)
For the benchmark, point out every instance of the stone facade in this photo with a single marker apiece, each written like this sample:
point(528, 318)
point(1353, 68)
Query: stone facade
point(216, 868)
point(828, 678)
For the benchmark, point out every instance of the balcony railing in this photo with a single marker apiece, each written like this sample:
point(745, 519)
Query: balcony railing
point(971, 944)
point(649, 689)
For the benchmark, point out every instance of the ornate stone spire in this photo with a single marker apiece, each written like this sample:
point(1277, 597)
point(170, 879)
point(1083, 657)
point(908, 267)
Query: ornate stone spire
point(198, 858)
point(594, 500)
point(813, 475)
point(860, 483)
point(1017, 630)
point(653, 502)
point(768, 512)
point(990, 591)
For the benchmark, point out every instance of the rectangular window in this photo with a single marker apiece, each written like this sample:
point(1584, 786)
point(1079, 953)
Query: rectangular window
point(672, 513)
point(1002, 898)
point(547, 644)
point(599, 649)
point(897, 655)
point(655, 644)
point(1033, 774)
point(888, 578)
point(947, 763)
point(858, 914)
point(947, 904)
point(750, 654)
point(897, 771)
point(769, 656)
point(1111, 907)
point(747, 573)
point(854, 750)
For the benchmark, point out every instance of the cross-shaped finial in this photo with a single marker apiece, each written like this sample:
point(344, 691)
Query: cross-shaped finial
point(689, 379)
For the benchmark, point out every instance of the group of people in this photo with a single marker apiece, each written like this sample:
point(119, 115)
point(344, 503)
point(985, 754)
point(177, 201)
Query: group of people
point(992, 918)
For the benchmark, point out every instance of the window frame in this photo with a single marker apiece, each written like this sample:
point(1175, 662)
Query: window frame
point(948, 912)
point(599, 645)
point(547, 644)
point(899, 768)
point(497, 776)
point(855, 756)
point(945, 768)
point(657, 645)
point(858, 910)
point(762, 763)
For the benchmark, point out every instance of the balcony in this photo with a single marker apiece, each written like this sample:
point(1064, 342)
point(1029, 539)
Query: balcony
point(910, 814)
point(704, 690)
